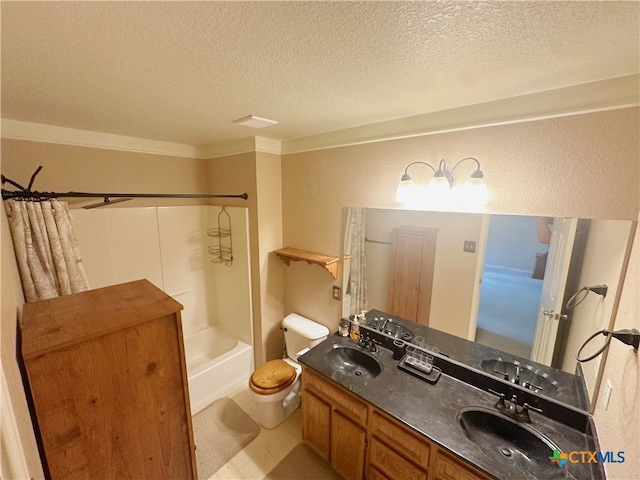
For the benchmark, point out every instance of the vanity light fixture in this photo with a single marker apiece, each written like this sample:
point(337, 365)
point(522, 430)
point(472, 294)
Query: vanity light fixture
point(442, 189)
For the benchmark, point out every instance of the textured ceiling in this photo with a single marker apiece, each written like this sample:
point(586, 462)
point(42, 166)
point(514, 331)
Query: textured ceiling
point(182, 71)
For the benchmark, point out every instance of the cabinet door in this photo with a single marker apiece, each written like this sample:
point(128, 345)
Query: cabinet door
point(392, 464)
point(411, 273)
point(348, 444)
point(449, 468)
point(316, 425)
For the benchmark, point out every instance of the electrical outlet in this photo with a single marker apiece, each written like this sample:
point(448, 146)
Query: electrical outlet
point(469, 246)
point(336, 293)
point(606, 396)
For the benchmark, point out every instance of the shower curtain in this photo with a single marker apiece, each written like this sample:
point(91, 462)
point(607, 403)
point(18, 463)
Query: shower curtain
point(46, 249)
point(355, 247)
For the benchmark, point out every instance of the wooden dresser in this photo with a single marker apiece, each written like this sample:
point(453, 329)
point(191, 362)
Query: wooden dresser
point(108, 381)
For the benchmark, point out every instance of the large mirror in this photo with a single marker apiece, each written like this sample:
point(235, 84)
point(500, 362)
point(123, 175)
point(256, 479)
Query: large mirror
point(510, 282)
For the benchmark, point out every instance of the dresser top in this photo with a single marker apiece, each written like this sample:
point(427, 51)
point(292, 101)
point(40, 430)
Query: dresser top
point(59, 322)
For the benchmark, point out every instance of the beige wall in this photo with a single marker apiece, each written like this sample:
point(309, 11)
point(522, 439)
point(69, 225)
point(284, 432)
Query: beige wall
point(617, 426)
point(269, 183)
point(582, 166)
point(67, 168)
point(12, 301)
point(258, 174)
point(601, 265)
point(547, 167)
point(579, 166)
point(70, 168)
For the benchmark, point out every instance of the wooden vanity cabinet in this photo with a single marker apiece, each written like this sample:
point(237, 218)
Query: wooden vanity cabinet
point(361, 441)
point(334, 425)
point(395, 451)
point(447, 467)
point(107, 378)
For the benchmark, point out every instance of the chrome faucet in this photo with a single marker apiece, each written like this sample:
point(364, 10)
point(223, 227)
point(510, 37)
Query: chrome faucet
point(367, 343)
point(514, 409)
point(516, 377)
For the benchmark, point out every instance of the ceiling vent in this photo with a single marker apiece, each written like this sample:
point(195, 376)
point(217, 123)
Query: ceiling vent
point(255, 122)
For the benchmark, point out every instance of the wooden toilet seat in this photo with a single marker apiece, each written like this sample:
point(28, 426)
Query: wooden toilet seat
point(272, 377)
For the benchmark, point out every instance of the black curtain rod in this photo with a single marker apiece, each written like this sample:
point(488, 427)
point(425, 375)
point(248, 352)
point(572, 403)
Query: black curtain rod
point(7, 194)
point(28, 193)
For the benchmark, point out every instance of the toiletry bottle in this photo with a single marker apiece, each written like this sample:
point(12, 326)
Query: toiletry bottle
point(355, 329)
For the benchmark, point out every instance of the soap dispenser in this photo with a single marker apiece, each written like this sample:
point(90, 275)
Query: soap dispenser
point(354, 334)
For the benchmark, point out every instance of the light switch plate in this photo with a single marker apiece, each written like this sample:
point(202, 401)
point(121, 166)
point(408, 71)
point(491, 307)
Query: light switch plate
point(336, 293)
point(469, 246)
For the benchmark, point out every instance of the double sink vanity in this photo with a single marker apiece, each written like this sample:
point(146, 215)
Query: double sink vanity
point(466, 412)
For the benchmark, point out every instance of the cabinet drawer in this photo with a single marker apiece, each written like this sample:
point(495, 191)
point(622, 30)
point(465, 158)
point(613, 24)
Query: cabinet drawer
point(393, 465)
point(395, 434)
point(376, 475)
point(345, 401)
point(449, 468)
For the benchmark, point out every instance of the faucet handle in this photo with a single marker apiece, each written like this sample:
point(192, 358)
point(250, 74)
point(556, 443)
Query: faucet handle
point(526, 406)
point(499, 394)
point(532, 386)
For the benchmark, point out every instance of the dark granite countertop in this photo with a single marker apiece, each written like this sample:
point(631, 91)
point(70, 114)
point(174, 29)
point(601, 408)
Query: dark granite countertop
point(431, 410)
point(571, 389)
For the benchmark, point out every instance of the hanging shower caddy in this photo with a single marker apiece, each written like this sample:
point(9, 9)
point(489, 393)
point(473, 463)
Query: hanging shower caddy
point(222, 252)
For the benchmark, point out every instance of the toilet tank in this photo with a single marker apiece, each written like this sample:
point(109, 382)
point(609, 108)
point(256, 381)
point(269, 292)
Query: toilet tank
point(300, 333)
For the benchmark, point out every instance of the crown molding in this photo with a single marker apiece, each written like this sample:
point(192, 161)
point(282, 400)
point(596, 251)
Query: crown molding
point(240, 145)
point(610, 94)
point(38, 132)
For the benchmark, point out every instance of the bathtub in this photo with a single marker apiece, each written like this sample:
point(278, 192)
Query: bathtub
point(216, 364)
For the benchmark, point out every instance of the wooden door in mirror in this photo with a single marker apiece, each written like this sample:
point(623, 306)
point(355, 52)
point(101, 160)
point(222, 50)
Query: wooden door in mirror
point(413, 254)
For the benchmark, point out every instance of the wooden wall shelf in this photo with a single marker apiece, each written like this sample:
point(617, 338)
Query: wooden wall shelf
point(328, 262)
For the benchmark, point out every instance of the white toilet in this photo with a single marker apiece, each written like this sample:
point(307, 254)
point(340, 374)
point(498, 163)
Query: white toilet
point(275, 385)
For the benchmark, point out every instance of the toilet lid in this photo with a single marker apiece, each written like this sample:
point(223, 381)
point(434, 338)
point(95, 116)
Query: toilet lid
point(272, 377)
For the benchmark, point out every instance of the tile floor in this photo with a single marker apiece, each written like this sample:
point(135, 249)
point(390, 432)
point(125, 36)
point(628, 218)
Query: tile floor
point(266, 450)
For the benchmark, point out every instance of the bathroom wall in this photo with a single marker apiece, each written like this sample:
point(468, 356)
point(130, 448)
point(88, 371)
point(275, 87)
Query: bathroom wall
point(20, 438)
point(583, 166)
point(259, 174)
point(118, 244)
point(580, 166)
point(547, 167)
point(170, 249)
point(617, 423)
point(72, 168)
point(601, 265)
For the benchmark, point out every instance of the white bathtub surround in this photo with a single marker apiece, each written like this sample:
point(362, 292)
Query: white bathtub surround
point(217, 364)
point(169, 247)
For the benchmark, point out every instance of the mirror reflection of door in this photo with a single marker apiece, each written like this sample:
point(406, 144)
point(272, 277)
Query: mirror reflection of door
point(562, 235)
point(511, 285)
point(413, 252)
